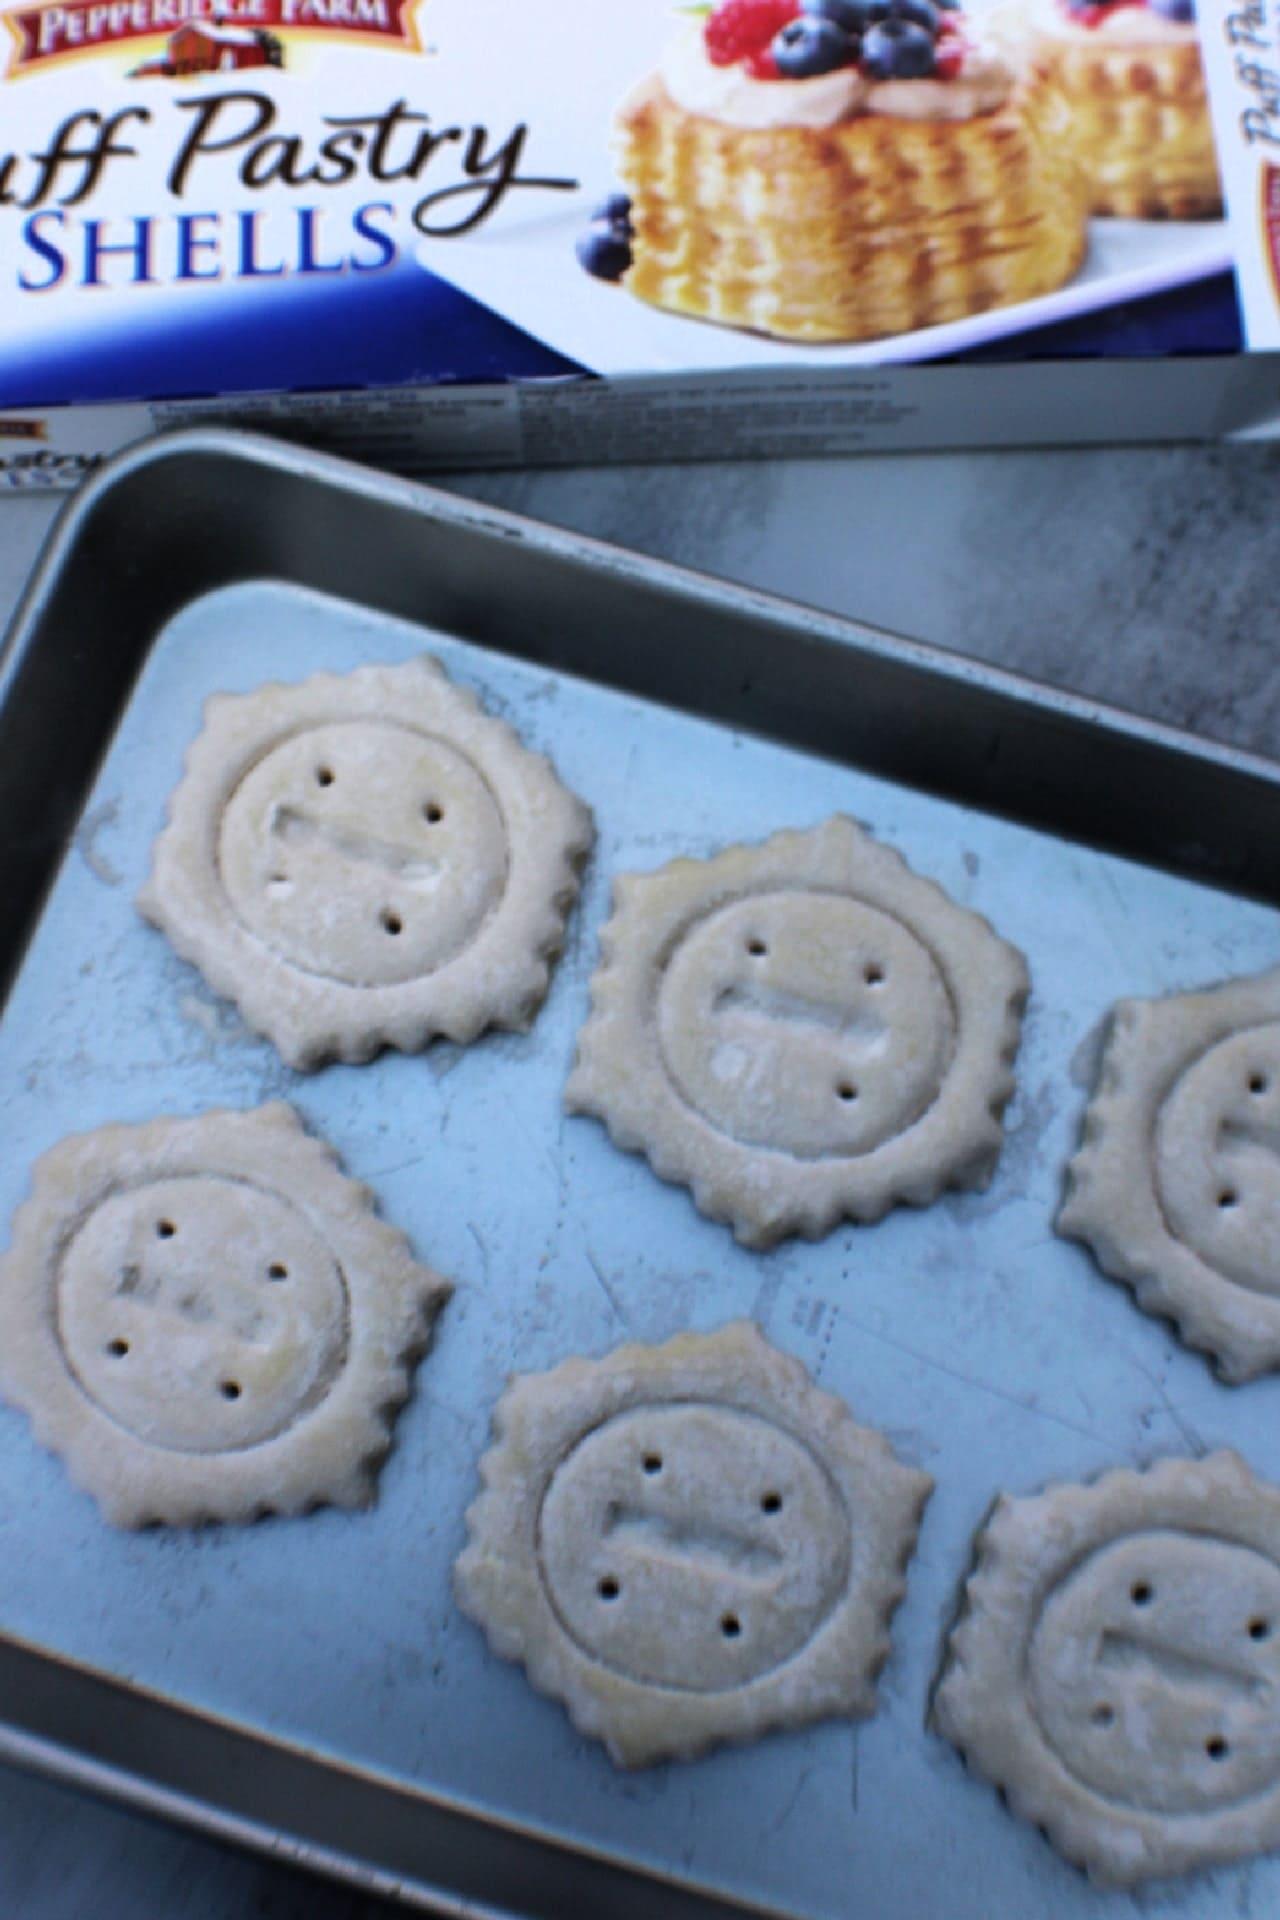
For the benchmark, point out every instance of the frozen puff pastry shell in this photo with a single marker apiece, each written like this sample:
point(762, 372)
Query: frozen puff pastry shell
point(689, 1544)
point(1175, 1187)
point(207, 1320)
point(873, 226)
point(1115, 1667)
point(801, 1032)
point(367, 861)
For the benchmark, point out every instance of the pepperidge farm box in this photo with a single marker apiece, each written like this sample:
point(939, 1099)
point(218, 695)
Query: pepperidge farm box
point(475, 232)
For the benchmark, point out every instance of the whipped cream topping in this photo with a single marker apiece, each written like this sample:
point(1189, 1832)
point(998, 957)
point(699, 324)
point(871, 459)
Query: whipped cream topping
point(733, 96)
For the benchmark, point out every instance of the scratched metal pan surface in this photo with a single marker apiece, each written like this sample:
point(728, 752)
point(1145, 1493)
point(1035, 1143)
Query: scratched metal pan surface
point(308, 1685)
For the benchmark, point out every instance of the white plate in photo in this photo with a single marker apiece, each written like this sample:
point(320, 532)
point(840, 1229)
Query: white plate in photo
point(528, 272)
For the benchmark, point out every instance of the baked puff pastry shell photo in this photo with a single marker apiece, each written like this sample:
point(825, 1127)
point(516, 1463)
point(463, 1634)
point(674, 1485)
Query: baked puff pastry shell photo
point(1131, 76)
point(923, 178)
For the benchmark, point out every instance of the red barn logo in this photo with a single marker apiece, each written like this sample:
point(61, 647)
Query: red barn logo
point(212, 48)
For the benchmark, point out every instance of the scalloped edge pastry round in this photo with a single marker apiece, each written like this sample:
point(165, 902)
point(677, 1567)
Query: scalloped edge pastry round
point(1110, 1201)
point(327, 1456)
point(765, 1194)
point(539, 1419)
point(980, 1704)
point(501, 976)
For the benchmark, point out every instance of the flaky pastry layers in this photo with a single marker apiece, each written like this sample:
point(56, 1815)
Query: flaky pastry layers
point(1140, 125)
point(874, 226)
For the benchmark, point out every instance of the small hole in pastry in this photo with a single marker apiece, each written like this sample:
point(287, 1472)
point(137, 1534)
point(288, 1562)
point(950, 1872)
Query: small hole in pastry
point(847, 1091)
point(1259, 1629)
point(653, 1463)
point(432, 813)
point(730, 1626)
point(1258, 1083)
point(1217, 1748)
point(771, 1503)
point(165, 1229)
point(1103, 1715)
point(392, 923)
point(608, 1588)
point(1140, 1594)
point(757, 949)
point(118, 1349)
point(230, 1389)
point(277, 1271)
point(873, 975)
point(324, 776)
point(1228, 1198)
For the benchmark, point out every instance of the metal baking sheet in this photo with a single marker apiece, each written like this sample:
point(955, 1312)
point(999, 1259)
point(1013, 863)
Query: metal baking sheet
point(308, 1685)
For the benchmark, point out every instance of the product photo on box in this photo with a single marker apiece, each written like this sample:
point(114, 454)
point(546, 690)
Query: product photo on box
point(456, 232)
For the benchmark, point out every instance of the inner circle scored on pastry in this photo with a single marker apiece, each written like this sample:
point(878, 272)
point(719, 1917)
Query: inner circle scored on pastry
point(207, 1320)
point(805, 1021)
point(689, 1544)
point(683, 1539)
point(367, 861)
point(1175, 1187)
point(202, 1314)
point(1217, 1158)
point(801, 1031)
point(1130, 1692)
point(1116, 1665)
point(365, 851)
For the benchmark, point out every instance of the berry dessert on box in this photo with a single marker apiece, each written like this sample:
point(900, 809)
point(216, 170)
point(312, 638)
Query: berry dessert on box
point(1140, 124)
point(844, 169)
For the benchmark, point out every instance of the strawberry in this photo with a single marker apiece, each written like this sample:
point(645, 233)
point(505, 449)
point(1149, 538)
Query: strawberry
point(737, 29)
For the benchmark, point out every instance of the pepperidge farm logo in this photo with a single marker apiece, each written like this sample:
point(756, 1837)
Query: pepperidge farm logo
point(190, 37)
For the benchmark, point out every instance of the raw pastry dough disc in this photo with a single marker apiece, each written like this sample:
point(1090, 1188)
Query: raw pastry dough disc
point(1117, 1665)
point(207, 1320)
point(366, 862)
point(689, 1544)
point(800, 1032)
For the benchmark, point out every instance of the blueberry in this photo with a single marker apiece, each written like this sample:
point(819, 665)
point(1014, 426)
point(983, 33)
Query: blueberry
point(1182, 10)
point(812, 45)
point(604, 251)
point(852, 16)
point(898, 50)
point(615, 212)
point(923, 12)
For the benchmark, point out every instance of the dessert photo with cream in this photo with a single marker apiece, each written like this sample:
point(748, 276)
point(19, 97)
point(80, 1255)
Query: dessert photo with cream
point(845, 170)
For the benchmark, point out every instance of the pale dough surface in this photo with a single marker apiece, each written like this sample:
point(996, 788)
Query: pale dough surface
point(689, 1544)
point(1176, 1186)
point(367, 861)
point(207, 1320)
point(801, 1031)
point(1116, 1667)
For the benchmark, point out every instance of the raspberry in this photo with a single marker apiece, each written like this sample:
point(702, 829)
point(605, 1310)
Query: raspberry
point(739, 28)
point(762, 66)
point(951, 51)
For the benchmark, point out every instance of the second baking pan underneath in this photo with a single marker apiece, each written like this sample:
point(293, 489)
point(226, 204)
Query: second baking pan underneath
point(990, 1352)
